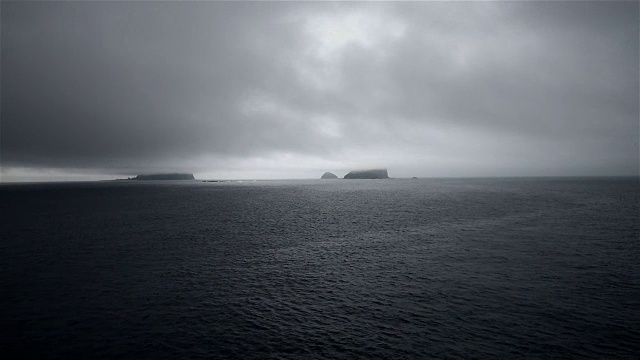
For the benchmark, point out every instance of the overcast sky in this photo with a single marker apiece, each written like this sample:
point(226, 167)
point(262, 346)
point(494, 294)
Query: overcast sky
point(292, 89)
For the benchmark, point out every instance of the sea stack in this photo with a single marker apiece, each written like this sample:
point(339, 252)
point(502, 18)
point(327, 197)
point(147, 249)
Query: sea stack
point(328, 175)
point(368, 174)
point(165, 177)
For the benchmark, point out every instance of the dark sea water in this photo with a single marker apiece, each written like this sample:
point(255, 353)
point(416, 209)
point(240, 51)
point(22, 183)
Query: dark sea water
point(433, 268)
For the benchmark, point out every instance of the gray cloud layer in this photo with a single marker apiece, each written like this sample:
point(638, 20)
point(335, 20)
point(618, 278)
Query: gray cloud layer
point(295, 89)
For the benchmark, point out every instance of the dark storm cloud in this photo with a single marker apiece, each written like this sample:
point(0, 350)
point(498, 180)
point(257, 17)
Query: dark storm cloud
point(111, 81)
point(430, 88)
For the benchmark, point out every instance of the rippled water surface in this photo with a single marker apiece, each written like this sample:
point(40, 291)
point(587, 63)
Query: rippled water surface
point(433, 268)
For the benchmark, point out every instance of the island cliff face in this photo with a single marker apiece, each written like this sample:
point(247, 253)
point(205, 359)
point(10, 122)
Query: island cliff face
point(328, 175)
point(165, 177)
point(368, 174)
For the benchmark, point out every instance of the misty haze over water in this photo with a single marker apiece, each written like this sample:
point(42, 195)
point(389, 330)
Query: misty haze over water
point(451, 268)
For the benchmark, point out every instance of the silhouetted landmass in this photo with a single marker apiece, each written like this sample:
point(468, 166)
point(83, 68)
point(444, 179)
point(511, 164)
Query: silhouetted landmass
point(328, 175)
point(165, 177)
point(368, 174)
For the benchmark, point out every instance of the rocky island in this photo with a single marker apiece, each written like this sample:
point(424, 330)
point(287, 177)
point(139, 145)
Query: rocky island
point(328, 175)
point(368, 174)
point(174, 176)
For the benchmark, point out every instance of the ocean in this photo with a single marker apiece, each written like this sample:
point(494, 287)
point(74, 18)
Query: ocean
point(340, 269)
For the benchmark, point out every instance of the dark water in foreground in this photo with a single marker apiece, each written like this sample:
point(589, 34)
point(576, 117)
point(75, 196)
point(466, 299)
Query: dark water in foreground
point(450, 268)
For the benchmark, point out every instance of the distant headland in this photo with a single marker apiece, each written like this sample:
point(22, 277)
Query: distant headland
point(368, 174)
point(174, 176)
point(328, 175)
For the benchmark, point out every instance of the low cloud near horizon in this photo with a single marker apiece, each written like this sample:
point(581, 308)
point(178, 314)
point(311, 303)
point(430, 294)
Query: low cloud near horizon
point(294, 89)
